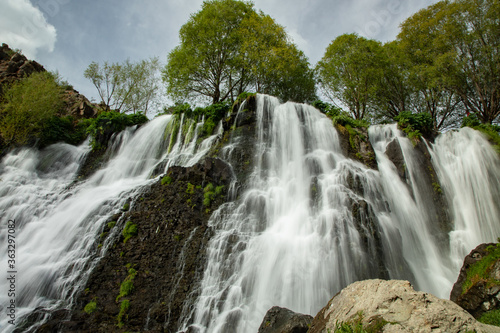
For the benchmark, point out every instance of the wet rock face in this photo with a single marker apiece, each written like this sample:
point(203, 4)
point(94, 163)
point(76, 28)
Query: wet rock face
point(162, 260)
point(394, 306)
point(484, 294)
point(281, 320)
point(355, 144)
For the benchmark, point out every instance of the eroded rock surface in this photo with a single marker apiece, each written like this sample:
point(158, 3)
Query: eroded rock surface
point(394, 306)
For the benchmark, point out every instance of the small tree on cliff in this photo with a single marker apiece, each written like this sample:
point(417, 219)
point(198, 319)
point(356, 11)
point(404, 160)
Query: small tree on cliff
point(227, 48)
point(129, 87)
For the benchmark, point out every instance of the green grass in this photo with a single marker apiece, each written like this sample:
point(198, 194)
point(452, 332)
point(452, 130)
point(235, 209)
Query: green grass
point(491, 317)
point(479, 271)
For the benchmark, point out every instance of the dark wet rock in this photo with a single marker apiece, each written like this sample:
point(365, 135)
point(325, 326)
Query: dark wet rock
point(166, 255)
point(355, 144)
point(281, 320)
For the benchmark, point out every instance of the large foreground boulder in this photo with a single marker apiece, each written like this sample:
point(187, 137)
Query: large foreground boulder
point(394, 306)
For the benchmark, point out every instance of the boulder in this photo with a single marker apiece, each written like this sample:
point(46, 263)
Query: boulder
point(394, 306)
point(281, 320)
point(484, 294)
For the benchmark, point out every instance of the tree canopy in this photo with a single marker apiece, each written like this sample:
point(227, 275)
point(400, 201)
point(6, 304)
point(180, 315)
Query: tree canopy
point(128, 87)
point(444, 62)
point(227, 48)
point(349, 72)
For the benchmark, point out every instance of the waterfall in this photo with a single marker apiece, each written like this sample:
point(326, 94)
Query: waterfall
point(311, 221)
point(58, 221)
point(306, 221)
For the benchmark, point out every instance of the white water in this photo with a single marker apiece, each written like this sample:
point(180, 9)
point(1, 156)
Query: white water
point(292, 241)
point(58, 225)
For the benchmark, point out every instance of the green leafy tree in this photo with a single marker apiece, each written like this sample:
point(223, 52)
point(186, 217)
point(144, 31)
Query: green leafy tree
point(129, 87)
point(454, 47)
point(227, 48)
point(28, 105)
point(350, 71)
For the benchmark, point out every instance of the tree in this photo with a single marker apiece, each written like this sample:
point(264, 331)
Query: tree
point(29, 104)
point(455, 49)
point(128, 87)
point(227, 48)
point(394, 93)
point(350, 71)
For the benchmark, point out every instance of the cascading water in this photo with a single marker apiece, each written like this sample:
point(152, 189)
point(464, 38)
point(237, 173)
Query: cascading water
point(58, 223)
point(312, 221)
point(307, 222)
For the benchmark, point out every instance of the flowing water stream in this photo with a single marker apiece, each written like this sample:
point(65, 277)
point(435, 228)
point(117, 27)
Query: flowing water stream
point(309, 221)
point(58, 222)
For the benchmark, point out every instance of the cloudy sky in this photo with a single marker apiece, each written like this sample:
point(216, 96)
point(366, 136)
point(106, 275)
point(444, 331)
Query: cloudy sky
point(67, 35)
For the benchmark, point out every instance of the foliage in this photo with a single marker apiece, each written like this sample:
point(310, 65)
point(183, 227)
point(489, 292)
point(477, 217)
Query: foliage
point(491, 317)
point(29, 104)
point(349, 71)
point(345, 120)
point(227, 48)
point(127, 87)
point(65, 129)
point(91, 307)
point(454, 46)
point(129, 231)
point(479, 271)
point(106, 123)
point(127, 285)
point(415, 124)
point(327, 108)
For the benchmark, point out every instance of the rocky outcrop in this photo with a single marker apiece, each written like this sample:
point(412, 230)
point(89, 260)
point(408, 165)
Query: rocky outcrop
point(394, 306)
point(355, 144)
point(155, 258)
point(15, 66)
point(281, 320)
point(480, 293)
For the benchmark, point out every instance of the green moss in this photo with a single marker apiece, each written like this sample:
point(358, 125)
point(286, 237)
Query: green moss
point(126, 207)
point(91, 307)
point(127, 285)
point(355, 325)
point(167, 180)
point(190, 189)
point(437, 188)
point(124, 306)
point(129, 231)
point(491, 317)
point(111, 224)
point(479, 271)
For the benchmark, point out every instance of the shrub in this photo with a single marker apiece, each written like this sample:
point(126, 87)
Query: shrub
point(106, 123)
point(329, 109)
point(29, 104)
point(415, 124)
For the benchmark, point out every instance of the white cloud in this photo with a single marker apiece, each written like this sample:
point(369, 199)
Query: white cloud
point(24, 27)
